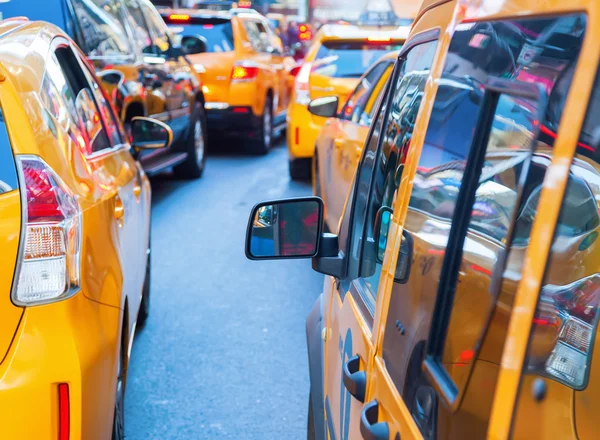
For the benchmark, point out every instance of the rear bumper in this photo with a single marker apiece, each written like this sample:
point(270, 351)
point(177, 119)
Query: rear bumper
point(73, 342)
point(231, 119)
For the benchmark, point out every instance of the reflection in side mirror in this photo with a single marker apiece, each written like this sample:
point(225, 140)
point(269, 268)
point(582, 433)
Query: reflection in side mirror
point(285, 229)
point(149, 134)
point(326, 106)
point(192, 44)
point(382, 223)
point(111, 77)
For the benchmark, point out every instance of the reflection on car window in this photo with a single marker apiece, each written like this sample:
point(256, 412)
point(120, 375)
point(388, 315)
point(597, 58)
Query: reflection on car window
point(348, 60)
point(138, 24)
point(355, 108)
point(101, 24)
point(8, 175)
point(218, 33)
point(157, 27)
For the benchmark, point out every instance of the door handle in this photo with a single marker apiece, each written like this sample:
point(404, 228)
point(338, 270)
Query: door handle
point(370, 428)
point(119, 208)
point(355, 379)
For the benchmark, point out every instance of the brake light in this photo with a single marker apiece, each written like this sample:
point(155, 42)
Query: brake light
point(305, 36)
point(50, 256)
point(302, 28)
point(376, 39)
point(295, 70)
point(64, 412)
point(179, 17)
point(244, 73)
point(302, 86)
point(564, 327)
point(208, 26)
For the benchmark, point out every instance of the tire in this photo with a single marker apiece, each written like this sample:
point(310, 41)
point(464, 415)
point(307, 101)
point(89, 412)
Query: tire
point(193, 167)
point(145, 304)
point(118, 429)
point(264, 140)
point(301, 169)
point(310, 428)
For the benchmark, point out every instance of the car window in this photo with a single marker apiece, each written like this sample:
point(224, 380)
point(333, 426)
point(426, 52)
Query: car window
point(348, 60)
point(157, 28)
point(564, 345)
point(71, 85)
point(259, 40)
point(101, 24)
point(410, 81)
point(355, 108)
point(8, 174)
point(218, 32)
point(137, 23)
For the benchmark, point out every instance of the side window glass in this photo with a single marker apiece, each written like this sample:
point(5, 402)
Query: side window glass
point(355, 107)
point(102, 29)
point(71, 79)
point(376, 95)
point(138, 25)
point(388, 169)
point(257, 39)
point(157, 28)
point(564, 345)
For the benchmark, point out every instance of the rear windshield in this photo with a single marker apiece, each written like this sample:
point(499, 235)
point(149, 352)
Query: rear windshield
point(217, 32)
point(349, 60)
point(8, 174)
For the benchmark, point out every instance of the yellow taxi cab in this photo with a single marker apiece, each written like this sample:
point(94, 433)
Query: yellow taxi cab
point(75, 240)
point(461, 297)
point(334, 64)
point(244, 69)
point(140, 66)
point(340, 143)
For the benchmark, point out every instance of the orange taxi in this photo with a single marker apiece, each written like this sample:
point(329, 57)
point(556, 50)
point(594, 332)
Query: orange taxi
point(244, 70)
point(336, 61)
point(75, 240)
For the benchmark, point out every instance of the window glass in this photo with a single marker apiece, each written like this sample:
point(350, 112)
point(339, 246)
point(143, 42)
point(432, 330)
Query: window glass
point(79, 98)
point(354, 110)
point(217, 32)
point(258, 39)
point(388, 170)
point(348, 60)
point(138, 24)
point(564, 345)
point(157, 27)
point(410, 81)
point(8, 174)
point(101, 24)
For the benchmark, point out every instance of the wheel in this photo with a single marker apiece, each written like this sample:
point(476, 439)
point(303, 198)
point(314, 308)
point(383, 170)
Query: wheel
point(145, 304)
point(193, 166)
point(310, 428)
point(118, 431)
point(301, 169)
point(264, 140)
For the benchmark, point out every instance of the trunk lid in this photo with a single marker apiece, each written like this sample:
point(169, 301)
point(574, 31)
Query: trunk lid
point(10, 231)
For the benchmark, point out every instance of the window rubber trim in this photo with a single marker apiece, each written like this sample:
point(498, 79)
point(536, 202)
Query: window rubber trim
point(444, 304)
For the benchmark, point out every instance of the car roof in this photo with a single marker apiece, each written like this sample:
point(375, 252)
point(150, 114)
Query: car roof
point(332, 32)
point(207, 13)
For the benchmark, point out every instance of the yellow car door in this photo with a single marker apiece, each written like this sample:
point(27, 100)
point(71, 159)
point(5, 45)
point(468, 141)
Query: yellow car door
point(464, 186)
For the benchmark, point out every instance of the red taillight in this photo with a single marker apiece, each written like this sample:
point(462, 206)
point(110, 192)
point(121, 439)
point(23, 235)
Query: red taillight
point(241, 110)
point(297, 135)
point(64, 416)
point(376, 39)
point(41, 190)
point(208, 26)
point(179, 17)
point(51, 244)
point(302, 87)
point(295, 70)
point(305, 36)
point(244, 73)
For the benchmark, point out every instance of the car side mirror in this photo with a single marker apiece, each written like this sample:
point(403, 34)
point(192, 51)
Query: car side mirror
point(193, 44)
point(285, 229)
point(150, 134)
point(326, 106)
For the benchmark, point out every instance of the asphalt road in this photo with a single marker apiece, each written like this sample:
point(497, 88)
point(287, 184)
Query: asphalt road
point(223, 354)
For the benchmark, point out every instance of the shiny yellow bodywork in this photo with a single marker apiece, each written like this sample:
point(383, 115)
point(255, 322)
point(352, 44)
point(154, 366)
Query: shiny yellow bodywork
point(75, 341)
point(215, 69)
point(338, 150)
point(303, 127)
point(497, 385)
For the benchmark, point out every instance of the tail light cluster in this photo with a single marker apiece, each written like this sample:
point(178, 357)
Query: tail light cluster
point(564, 328)
point(302, 84)
point(241, 73)
point(49, 267)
